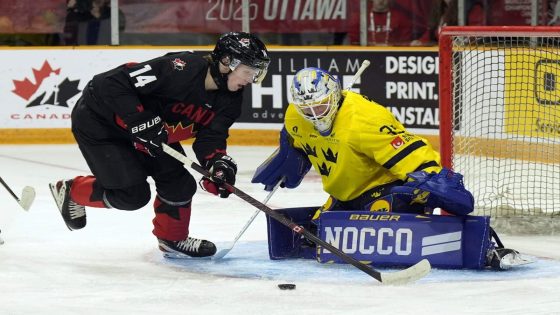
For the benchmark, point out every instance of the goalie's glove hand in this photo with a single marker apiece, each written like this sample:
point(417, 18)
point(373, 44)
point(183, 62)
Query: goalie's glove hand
point(147, 132)
point(223, 169)
point(437, 190)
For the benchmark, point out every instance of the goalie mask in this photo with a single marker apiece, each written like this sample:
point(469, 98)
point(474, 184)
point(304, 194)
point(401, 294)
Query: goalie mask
point(316, 95)
point(240, 48)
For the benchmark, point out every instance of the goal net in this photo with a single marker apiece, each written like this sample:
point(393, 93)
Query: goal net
point(500, 120)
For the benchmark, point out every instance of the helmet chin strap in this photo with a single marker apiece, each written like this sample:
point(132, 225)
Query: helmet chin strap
point(219, 78)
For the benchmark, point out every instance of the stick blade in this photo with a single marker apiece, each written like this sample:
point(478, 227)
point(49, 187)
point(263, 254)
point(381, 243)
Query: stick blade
point(407, 275)
point(27, 197)
point(223, 252)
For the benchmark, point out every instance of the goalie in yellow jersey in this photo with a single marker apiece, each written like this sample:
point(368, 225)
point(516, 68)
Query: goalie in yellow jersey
point(366, 158)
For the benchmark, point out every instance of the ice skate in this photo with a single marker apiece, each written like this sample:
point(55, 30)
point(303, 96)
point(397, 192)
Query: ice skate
point(505, 258)
point(501, 258)
point(188, 248)
point(74, 215)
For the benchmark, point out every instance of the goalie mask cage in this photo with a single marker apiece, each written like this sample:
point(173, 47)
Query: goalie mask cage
point(500, 121)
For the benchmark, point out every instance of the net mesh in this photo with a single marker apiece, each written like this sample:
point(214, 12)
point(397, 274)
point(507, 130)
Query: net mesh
point(506, 124)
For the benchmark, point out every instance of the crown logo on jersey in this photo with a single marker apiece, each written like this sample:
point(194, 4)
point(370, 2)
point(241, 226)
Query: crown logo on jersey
point(324, 170)
point(420, 197)
point(330, 156)
point(48, 87)
point(310, 151)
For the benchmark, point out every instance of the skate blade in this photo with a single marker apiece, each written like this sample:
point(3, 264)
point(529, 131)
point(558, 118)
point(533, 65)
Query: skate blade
point(514, 260)
point(183, 256)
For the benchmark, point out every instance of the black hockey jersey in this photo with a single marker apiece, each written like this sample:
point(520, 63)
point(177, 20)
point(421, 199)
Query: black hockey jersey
point(171, 86)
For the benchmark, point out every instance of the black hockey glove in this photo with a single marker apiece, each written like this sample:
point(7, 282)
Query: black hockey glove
point(147, 130)
point(223, 169)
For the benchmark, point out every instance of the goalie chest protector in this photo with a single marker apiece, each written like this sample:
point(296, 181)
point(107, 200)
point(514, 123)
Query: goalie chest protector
point(385, 239)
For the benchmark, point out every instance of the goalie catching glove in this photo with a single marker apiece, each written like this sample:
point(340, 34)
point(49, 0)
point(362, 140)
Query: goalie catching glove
point(223, 169)
point(437, 190)
point(147, 132)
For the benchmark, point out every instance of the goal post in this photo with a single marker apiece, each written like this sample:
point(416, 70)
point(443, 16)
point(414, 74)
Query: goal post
point(499, 90)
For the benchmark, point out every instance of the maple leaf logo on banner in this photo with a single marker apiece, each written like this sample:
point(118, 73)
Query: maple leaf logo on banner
point(47, 89)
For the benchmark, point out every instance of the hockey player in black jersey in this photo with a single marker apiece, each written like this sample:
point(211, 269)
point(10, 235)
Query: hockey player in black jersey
point(124, 116)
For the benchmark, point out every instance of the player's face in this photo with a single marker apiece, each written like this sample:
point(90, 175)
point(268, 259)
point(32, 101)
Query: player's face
point(241, 76)
point(317, 110)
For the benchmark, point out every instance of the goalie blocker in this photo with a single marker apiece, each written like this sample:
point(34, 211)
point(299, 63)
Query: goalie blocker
point(387, 239)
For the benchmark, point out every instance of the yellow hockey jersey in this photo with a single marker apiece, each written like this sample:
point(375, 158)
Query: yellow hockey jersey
point(367, 147)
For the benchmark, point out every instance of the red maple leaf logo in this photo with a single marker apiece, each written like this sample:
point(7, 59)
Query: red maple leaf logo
point(176, 133)
point(25, 88)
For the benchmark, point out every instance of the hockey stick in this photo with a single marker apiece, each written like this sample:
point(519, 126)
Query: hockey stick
point(410, 274)
point(223, 252)
point(27, 195)
point(363, 67)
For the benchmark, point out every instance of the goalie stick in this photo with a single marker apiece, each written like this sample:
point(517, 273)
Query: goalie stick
point(223, 252)
point(404, 276)
point(27, 195)
point(363, 67)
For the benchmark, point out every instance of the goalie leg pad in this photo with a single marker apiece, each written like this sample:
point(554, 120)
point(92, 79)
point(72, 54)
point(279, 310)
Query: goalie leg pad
point(395, 239)
point(286, 162)
point(284, 243)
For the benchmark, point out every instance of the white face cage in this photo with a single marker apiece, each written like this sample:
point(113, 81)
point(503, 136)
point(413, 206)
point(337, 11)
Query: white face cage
point(316, 95)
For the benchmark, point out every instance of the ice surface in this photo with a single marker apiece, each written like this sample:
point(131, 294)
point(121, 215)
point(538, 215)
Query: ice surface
point(113, 266)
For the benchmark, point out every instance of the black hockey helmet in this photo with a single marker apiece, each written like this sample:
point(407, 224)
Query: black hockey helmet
point(243, 48)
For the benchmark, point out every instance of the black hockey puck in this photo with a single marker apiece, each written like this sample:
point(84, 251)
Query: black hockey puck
point(287, 286)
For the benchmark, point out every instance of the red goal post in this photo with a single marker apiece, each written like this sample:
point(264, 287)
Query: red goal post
point(499, 90)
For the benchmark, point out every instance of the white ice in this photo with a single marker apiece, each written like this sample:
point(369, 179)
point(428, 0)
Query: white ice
point(113, 266)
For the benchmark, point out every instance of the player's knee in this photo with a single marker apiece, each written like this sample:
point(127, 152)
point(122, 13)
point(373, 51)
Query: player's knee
point(178, 187)
point(130, 198)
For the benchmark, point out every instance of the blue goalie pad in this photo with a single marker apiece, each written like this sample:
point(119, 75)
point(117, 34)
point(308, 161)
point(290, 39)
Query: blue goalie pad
point(286, 162)
point(399, 239)
point(437, 190)
point(283, 243)
point(385, 239)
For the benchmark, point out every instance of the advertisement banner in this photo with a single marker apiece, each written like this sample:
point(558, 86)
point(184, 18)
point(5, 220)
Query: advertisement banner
point(532, 110)
point(40, 87)
point(219, 16)
point(404, 81)
point(265, 16)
